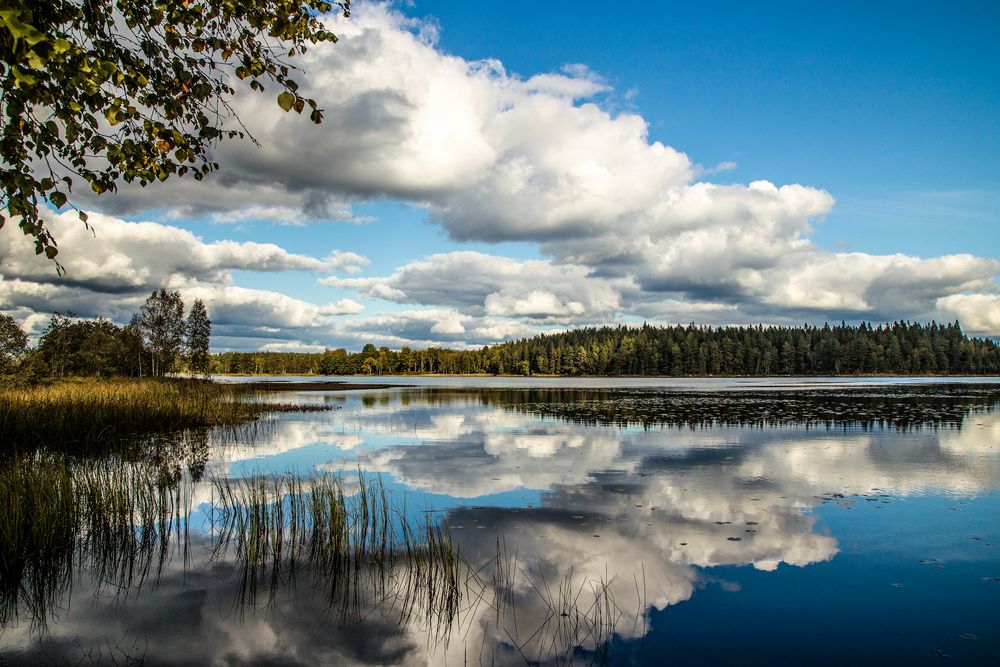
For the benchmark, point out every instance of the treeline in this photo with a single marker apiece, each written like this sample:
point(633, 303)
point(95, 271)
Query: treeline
point(900, 348)
point(370, 361)
point(158, 340)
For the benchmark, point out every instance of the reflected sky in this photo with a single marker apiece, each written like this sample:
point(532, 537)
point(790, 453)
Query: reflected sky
point(663, 521)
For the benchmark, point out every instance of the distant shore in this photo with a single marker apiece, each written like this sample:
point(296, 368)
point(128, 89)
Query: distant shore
point(316, 386)
point(367, 385)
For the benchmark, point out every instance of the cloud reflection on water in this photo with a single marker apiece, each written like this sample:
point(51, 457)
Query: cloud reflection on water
point(647, 511)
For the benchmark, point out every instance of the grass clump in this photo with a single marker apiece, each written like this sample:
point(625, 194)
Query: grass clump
point(58, 517)
point(343, 545)
point(360, 548)
point(88, 410)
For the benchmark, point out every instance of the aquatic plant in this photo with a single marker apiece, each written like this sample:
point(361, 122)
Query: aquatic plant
point(354, 543)
point(902, 407)
point(369, 557)
point(357, 550)
point(56, 517)
point(80, 411)
point(570, 621)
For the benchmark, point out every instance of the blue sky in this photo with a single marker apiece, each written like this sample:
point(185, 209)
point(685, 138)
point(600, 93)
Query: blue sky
point(488, 171)
point(895, 112)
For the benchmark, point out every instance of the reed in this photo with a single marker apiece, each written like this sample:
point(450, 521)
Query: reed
point(57, 517)
point(570, 620)
point(370, 557)
point(120, 523)
point(78, 411)
point(365, 552)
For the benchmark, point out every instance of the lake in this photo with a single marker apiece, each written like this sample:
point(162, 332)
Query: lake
point(595, 521)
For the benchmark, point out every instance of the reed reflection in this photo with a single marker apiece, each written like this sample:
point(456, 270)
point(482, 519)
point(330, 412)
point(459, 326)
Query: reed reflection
point(639, 501)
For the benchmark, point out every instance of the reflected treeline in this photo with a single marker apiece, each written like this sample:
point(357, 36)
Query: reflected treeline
point(894, 406)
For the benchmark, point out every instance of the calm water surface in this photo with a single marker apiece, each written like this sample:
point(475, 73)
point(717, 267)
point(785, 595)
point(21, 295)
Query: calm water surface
point(621, 522)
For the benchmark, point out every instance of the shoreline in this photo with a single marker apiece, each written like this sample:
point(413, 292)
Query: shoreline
point(581, 377)
point(316, 386)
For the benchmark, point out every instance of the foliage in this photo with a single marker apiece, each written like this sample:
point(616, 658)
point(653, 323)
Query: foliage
point(136, 360)
point(902, 348)
point(161, 321)
point(13, 343)
point(198, 334)
point(70, 347)
point(898, 348)
point(148, 345)
point(134, 90)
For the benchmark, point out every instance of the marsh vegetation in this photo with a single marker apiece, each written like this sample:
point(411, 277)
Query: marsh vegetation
point(900, 407)
point(357, 549)
point(84, 411)
point(113, 519)
point(121, 523)
point(490, 526)
point(350, 541)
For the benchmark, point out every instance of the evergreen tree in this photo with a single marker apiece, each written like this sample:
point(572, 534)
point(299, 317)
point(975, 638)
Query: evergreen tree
point(897, 348)
point(199, 331)
point(162, 322)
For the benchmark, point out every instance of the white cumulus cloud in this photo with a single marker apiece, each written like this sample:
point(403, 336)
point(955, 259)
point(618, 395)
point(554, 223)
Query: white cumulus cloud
point(628, 226)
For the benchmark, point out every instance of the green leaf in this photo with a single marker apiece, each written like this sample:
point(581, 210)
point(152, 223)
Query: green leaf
point(81, 65)
point(20, 29)
point(51, 252)
point(35, 60)
point(61, 46)
point(286, 101)
point(22, 79)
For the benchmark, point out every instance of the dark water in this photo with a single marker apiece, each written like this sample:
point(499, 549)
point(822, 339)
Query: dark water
point(709, 524)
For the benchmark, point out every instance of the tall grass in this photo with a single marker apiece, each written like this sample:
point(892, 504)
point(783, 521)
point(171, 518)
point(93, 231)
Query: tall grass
point(115, 520)
point(365, 552)
point(85, 411)
point(120, 523)
point(569, 620)
point(370, 558)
